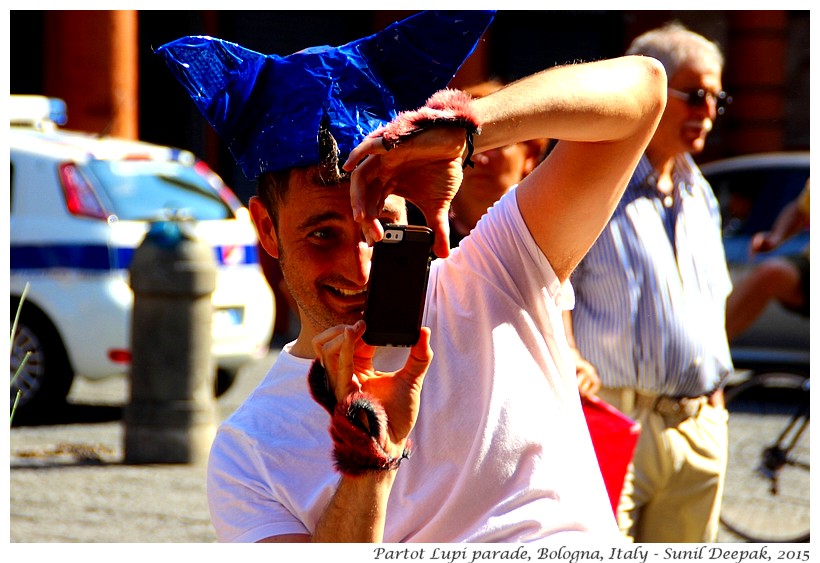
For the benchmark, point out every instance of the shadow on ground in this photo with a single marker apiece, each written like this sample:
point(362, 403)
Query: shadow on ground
point(67, 413)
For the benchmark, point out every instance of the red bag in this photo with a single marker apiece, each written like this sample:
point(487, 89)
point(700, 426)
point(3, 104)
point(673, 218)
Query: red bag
point(614, 436)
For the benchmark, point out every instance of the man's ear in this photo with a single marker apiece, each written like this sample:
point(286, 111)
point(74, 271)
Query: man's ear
point(264, 226)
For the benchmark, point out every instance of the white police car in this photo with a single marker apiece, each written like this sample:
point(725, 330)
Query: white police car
point(80, 205)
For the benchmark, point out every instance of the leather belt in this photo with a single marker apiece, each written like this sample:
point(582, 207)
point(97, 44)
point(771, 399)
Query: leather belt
point(677, 407)
point(673, 409)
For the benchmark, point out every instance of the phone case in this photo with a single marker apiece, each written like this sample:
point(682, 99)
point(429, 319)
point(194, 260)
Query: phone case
point(397, 289)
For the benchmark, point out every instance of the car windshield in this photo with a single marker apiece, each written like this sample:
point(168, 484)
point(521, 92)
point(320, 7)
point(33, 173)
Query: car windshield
point(751, 199)
point(149, 190)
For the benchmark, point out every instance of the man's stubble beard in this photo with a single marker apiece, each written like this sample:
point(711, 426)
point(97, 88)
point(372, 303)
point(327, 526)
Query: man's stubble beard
point(307, 301)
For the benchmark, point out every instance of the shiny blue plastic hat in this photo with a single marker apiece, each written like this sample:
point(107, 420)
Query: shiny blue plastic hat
point(268, 108)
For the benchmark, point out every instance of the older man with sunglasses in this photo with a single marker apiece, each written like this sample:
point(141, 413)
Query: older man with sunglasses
point(650, 307)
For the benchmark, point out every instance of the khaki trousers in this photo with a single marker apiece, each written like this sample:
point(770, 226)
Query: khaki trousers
point(674, 485)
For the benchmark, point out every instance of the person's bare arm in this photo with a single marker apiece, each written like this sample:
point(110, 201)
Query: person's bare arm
point(790, 221)
point(358, 509)
point(356, 513)
point(604, 115)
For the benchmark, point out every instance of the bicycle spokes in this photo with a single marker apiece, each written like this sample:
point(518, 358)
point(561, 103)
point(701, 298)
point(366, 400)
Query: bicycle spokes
point(776, 456)
point(768, 439)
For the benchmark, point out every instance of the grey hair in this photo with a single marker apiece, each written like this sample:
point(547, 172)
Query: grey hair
point(674, 45)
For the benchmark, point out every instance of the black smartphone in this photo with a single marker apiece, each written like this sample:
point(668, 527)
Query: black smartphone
point(397, 289)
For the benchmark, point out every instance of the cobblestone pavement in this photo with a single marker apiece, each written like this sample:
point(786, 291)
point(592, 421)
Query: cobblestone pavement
point(68, 481)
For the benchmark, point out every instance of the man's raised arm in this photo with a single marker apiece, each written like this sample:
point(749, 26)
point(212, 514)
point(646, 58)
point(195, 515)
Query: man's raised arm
point(603, 113)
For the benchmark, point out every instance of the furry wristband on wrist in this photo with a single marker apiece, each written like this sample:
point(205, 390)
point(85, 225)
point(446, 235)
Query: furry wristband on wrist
point(358, 427)
point(445, 107)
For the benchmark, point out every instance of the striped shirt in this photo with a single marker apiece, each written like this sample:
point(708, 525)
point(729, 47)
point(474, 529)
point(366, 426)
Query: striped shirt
point(651, 293)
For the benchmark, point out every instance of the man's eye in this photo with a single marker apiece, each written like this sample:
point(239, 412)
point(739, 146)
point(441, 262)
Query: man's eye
point(321, 235)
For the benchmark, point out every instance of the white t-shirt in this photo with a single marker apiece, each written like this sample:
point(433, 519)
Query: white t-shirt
point(501, 448)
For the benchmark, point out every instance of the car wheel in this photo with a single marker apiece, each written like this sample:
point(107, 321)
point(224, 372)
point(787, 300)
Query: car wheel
point(225, 379)
point(47, 376)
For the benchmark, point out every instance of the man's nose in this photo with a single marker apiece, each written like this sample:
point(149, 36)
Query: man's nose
point(711, 107)
point(360, 271)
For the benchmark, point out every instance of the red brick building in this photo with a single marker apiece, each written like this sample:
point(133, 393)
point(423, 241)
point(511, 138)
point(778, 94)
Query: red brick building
point(101, 63)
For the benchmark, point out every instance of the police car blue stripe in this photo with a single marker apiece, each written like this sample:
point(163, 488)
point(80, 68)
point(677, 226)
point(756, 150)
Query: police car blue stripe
point(91, 257)
point(78, 256)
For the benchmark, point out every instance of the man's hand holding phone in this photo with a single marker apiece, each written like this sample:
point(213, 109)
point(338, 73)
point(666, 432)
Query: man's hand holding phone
point(348, 364)
point(425, 169)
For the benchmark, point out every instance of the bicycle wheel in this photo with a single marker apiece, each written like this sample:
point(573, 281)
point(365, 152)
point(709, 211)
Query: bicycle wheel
point(760, 507)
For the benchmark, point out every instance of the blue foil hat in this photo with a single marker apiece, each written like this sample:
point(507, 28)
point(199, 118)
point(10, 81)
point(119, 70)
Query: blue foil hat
point(268, 108)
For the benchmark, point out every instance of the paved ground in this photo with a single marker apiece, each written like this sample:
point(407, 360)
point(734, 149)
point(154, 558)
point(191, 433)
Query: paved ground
point(68, 482)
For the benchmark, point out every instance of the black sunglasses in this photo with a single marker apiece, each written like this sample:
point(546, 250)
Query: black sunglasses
point(700, 96)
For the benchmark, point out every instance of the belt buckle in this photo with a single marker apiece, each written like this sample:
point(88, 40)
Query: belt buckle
point(677, 410)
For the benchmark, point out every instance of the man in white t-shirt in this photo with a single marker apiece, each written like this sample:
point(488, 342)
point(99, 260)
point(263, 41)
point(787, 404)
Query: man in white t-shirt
point(488, 396)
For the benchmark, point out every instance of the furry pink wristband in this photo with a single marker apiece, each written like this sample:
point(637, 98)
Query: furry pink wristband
point(445, 107)
point(358, 427)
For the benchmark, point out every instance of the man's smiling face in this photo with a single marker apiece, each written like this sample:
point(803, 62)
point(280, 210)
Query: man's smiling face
point(324, 258)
